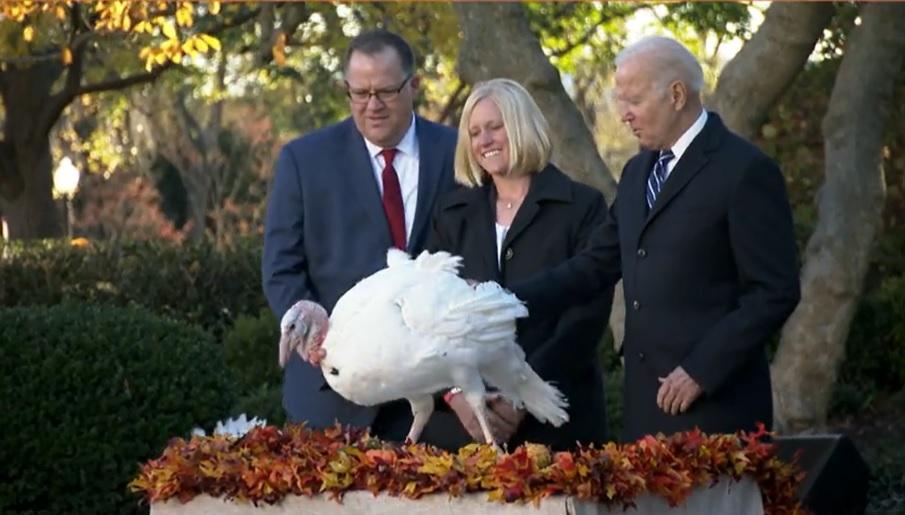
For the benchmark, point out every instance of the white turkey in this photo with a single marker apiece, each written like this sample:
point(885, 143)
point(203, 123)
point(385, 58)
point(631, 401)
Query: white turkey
point(416, 328)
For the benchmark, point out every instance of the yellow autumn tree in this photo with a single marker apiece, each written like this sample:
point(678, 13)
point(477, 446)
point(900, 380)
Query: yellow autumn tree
point(55, 51)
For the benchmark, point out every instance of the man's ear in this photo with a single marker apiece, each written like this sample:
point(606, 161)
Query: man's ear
point(678, 93)
point(415, 82)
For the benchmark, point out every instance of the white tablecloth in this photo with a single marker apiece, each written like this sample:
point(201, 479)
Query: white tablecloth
point(726, 497)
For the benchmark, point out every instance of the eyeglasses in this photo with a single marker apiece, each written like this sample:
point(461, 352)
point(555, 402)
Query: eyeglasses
point(362, 96)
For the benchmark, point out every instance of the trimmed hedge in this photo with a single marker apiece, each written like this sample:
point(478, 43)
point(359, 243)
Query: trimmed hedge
point(199, 284)
point(87, 392)
point(875, 350)
point(251, 355)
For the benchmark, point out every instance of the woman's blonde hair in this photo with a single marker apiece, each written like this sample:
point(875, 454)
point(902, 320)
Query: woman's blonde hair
point(527, 129)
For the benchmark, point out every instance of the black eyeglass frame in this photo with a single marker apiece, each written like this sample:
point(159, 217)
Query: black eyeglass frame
point(383, 95)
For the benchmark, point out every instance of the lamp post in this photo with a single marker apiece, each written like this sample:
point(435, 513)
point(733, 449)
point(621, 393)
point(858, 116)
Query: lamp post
point(66, 182)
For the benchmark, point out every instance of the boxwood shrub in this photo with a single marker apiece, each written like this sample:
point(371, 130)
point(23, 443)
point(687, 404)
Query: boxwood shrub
point(200, 284)
point(87, 393)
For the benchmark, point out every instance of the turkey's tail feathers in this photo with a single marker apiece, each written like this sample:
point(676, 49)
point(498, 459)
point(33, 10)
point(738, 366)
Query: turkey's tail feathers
point(493, 309)
point(543, 400)
point(396, 257)
point(540, 398)
point(438, 262)
point(493, 300)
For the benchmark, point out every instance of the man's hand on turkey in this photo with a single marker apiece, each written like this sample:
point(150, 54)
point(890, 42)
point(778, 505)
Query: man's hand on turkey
point(416, 328)
point(303, 329)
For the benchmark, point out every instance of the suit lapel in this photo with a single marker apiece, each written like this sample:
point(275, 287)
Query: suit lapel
point(688, 166)
point(361, 180)
point(484, 218)
point(633, 212)
point(548, 185)
point(430, 172)
point(692, 161)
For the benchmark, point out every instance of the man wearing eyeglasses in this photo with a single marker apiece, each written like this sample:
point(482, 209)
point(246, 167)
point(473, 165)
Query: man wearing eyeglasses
point(341, 196)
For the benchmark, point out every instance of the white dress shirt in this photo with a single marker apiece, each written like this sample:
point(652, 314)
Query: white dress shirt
point(406, 166)
point(682, 144)
point(501, 231)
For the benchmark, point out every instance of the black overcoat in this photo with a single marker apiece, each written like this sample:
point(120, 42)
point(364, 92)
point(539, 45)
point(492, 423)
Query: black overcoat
point(710, 273)
point(552, 225)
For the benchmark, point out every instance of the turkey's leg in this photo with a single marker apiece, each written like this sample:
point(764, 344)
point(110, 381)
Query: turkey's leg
point(476, 401)
point(422, 407)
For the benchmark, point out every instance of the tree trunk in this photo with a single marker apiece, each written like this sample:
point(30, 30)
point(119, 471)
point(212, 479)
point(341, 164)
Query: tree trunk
point(850, 204)
point(498, 42)
point(782, 45)
point(28, 204)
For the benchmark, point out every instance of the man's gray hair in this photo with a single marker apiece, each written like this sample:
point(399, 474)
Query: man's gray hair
point(668, 59)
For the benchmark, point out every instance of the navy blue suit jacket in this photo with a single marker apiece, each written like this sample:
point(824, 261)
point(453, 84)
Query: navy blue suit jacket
point(326, 230)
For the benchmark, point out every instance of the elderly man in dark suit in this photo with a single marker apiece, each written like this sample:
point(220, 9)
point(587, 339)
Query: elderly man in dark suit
point(341, 196)
point(701, 235)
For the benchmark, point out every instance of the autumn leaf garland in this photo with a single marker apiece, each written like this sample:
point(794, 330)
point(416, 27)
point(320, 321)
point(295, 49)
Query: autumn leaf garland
point(268, 464)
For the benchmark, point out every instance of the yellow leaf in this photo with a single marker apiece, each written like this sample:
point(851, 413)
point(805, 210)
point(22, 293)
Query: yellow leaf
point(66, 56)
point(143, 27)
point(60, 12)
point(184, 16)
point(279, 49)
point(211, 41)
point(214, 7)
point(199, 44)
point(168, 29)
point(127, 23)
point(28, 33)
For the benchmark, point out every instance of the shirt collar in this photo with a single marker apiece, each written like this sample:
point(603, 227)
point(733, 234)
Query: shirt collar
point(682, 144)
point(407, 145)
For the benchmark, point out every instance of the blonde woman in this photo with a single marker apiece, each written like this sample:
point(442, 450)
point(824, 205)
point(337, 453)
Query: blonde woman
point(515, 215)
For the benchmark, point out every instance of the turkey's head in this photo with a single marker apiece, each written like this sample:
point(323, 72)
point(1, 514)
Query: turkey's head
point(303, 328)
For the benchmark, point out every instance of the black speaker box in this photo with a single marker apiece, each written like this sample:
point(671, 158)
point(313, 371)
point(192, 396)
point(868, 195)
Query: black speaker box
point(837, 477)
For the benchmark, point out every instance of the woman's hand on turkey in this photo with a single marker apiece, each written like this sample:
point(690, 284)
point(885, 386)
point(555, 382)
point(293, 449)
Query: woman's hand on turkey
point(467, 417)
point(507, 417)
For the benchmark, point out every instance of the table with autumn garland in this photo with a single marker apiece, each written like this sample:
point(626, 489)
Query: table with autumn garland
point(340, 470)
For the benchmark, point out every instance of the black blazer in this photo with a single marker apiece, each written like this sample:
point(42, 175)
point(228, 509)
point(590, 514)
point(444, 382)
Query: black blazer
point(709, 274)
point(552, 224)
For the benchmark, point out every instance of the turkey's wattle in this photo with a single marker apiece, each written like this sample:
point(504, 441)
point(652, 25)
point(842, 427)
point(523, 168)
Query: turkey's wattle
point(416, 328)
point(303, 326)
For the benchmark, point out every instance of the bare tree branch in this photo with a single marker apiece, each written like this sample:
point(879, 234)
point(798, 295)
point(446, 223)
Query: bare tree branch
point(781, 45)
point(292, 15)
point(452, 102)
point(584, 38)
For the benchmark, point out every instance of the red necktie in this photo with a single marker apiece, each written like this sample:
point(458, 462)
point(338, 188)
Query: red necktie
point(392, 199)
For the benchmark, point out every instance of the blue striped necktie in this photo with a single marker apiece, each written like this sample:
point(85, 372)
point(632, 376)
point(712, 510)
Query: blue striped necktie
point(658, 176)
